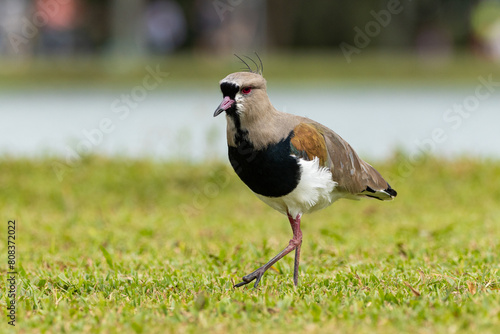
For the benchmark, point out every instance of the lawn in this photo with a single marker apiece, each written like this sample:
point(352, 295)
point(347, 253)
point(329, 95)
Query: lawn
point(187, 69)
point(139, 246)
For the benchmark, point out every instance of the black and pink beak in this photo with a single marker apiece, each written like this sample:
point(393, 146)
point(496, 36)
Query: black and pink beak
point(226, 103)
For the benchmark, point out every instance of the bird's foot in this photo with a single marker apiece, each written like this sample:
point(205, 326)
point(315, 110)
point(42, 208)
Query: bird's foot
point(256, 275)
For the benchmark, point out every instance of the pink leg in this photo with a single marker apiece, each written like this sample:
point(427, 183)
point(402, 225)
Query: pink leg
point(297, 236)
point(294, 243)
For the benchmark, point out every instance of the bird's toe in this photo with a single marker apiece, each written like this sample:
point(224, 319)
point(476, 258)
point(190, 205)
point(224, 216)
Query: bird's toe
point(256, 275)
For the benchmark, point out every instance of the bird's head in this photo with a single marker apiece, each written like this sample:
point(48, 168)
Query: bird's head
point(243, 93)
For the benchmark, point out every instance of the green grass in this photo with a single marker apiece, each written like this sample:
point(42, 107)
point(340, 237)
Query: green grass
point(125, 246)
point(284, 67)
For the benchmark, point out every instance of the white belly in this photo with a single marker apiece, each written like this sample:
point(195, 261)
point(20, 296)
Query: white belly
point(315, 191)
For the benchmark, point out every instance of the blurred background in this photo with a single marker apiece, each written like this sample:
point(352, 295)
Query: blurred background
point(140, 77)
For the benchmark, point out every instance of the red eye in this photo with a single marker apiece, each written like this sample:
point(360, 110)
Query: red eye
point(246, 90)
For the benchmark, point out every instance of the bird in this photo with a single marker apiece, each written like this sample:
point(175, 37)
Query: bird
point(292, 163)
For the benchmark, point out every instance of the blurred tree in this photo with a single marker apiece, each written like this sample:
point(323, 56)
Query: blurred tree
point(225, 25)
point(127, 38)
point(320, 23)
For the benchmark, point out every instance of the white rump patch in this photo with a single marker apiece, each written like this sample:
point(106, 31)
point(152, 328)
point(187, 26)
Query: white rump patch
point(315, 191)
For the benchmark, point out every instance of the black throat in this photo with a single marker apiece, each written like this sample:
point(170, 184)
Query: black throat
point(270, 171)
point(230, 90)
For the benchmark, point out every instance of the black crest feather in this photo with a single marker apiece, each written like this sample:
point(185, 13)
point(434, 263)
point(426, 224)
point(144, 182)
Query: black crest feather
point(258, 69)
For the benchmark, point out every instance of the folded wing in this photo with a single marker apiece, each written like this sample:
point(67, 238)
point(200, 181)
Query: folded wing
point(353, 175)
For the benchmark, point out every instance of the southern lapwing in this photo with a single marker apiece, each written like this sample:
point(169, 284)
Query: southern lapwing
point(292, 163)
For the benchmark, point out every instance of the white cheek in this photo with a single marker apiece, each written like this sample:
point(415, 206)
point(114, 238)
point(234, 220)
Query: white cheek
point(240, 107)
point(238, 98)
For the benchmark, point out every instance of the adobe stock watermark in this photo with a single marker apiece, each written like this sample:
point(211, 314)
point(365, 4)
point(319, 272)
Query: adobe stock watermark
point(204, 194)
point(223, 6)
point(372, 29)
point(453, 119)
point(121, 108)
point(30, 26)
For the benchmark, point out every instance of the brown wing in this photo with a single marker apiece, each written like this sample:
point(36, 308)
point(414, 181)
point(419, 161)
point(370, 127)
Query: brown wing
point(308, 143)
point(352, 174)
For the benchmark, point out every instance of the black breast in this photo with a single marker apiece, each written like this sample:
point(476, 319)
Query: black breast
point(269, 172)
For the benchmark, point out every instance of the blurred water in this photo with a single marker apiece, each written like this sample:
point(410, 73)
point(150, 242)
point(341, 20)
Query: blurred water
point(178, 123)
